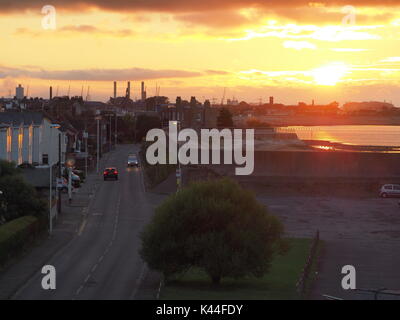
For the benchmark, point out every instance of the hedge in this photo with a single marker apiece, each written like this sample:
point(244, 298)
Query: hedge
point(15, 234)
point(157, 173)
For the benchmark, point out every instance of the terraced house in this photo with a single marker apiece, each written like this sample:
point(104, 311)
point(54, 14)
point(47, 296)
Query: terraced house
point(30, 137)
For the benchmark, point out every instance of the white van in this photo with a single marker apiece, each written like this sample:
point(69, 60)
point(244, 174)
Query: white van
point(390, 190)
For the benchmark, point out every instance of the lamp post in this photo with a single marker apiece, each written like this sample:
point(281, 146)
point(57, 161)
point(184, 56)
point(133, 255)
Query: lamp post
point(85, 136)
point(52, 126)
point(98, 118)
point(179, 171)
point(59, 174)
point(116, 123)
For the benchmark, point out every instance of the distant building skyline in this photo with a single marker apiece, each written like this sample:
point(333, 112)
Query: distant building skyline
point(137, 92)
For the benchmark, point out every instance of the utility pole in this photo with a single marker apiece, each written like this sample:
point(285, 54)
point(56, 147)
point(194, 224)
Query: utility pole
point(51, 185)
point(110, 132)
point(179, 170)
point(59, 173)
point(116, 123)
point(85, 136)
point(98, 143)
point(69, 185)
point(52, 126)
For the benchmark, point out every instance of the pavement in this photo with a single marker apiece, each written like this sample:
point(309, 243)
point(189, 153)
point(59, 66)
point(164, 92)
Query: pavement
point(95, 242)
point(362, 232)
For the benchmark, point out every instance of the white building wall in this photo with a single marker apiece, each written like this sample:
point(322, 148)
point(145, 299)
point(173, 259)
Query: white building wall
point(36, 142)
point(14, 144)
point(25, 145)
point(3, 144)
point(9, 143)
point(29, 143)
point(20, 144)
point(49, 143)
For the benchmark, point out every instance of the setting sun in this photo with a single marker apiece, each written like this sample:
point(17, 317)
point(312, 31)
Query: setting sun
point(329, 75)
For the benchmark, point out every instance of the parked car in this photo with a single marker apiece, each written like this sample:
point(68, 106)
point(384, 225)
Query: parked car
point(133, 161)
point(80, 174)
point(390, 190)
point(76, 180)
point(64, 185)
point(110, 173)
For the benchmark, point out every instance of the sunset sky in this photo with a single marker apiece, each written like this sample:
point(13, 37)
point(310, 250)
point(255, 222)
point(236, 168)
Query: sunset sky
point(294, 50)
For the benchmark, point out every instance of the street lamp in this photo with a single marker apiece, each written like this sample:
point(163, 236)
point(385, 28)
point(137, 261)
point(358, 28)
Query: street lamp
point(52, 126)
point(98, 118)
point(179, 171)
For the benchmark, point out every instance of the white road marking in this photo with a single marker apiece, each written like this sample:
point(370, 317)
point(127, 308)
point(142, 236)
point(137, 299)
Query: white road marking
point(139, 281)
point(79, 290)
point(82, 227)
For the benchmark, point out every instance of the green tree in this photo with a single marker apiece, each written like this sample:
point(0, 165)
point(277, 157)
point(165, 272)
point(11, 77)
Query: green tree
point(18, 198)
point(255, 123)
point(224, 119)
point(215, 226)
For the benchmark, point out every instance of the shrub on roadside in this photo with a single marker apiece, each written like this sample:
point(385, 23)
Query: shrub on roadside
point(18, 198)
point(15, 235)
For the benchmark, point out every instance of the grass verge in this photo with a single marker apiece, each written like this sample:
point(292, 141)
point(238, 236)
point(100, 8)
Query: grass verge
point(278, 284)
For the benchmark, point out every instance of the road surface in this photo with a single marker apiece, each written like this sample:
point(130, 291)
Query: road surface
point(102, 261)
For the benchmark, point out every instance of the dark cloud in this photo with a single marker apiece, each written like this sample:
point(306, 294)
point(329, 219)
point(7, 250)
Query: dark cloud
point(80, 28)
point(97, 74)
point(216, 14)
point(217, 19)
point(182, 5)
point(77, 29)
point(216, 72)
point(319, 14)
point(92, 29)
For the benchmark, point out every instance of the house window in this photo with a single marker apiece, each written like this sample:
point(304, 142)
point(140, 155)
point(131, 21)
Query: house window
point(45, 159)
point(30, 142)
point(20, 145)
point(9, 144)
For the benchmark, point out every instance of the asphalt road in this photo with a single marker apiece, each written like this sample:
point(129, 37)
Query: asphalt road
point(102, 261)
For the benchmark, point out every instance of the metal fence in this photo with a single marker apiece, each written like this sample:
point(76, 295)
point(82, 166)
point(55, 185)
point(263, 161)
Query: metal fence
point(301, 284)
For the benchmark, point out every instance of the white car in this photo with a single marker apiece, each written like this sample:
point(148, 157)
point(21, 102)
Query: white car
point(133, 161)
point(390, 190)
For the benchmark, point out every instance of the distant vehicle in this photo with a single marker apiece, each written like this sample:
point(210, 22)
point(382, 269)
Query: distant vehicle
point(133, 161)
point(390, 190)
point(110, 173)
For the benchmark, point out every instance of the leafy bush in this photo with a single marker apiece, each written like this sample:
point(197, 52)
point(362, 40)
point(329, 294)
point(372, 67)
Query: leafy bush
point(19, 199)
point(15, 234)
point(224, 119)
point(216, 226)
point(8, 168)
point(145, 123)
point(157, 173)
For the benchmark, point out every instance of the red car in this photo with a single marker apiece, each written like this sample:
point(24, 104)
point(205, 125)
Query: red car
point(110, 173)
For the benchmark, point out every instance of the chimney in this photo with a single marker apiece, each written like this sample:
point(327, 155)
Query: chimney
point(143, 94)
point(115, 89)
point(51, 93)
point(128, 90)
point(271, 100)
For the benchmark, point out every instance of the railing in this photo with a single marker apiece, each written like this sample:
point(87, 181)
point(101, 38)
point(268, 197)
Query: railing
point(301, 284)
